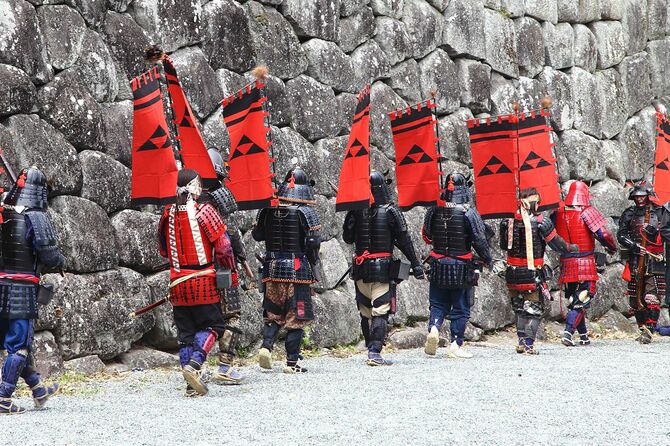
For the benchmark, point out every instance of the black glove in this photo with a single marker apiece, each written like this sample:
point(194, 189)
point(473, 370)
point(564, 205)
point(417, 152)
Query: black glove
point(574, 248)
point(651, 231)
point(417, 270)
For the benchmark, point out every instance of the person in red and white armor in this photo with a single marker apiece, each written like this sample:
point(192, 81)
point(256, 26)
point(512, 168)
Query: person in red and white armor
point(579, 223)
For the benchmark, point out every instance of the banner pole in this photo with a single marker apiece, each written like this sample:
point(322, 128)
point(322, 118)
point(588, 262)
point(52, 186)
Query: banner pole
point(433, 94)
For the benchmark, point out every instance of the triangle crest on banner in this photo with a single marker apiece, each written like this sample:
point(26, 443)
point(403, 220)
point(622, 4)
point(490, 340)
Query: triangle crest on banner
point(494, 166)
point(534, 161)
point(663, 165)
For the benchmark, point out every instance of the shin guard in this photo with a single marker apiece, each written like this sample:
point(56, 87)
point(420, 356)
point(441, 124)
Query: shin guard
point(11, 371)
point(378, 327)
point(227, 345)
point(29, 374)
point(203, 342)
point(532, 325)
point(293, 343)
point(365, 329)
point(185, 353)
point(270, 334)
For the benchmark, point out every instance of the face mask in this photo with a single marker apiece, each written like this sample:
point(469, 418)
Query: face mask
point(194, 188)
point(531, 203)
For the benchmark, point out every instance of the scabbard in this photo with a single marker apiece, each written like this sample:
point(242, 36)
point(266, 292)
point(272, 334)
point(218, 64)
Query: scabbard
point(141, 311)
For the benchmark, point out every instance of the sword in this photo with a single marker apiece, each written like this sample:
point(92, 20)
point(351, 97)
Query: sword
point(8, 168)
point(338, 283)
point(142, 310)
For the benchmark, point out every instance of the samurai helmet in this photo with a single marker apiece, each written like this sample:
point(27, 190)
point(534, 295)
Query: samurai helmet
point(456, 189)
point(219, 164)
point(641, 189)
point(296, 188)
point(30, 190)
point(578, 194)
point(379, 187)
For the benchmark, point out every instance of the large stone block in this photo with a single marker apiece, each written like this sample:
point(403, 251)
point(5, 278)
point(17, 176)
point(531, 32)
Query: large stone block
point(405, 80)
point(587, 108)
point(163, 333)
point(546, 10)
point(559, 45)
point(657, 19)
point(369, 63)
point(614, 159)
point(424, 26)
point(613, 100)
point(295, 150)
point(227, 36)
point(530, 94)
point(464, 26)
point(85, 242)
point(438, 73)
point(412, 302)
point(610, 288)
point(349, 7)
point(198, 80)
point(390, 8)
point(611, 9)
point(610, 43)
point(356, 29)
point(635, 25)
point(93, 11)
point(21, 42)
point(314, 18)
point(393, 38)
point(335, 263)
point(578, 11)
point(105, 181)
point(69, 107)
point(35, 142)
point(63, 30)
point(285, 57)
point(17, 92)
point(337, 321)
point(95, 312)
point(127, 41)
point(454, 136)
point(501, 51)
point(556, 84)
point(346, 104)
point(310, 101)
point(118, 121)
point(531, 48)
point(583, 155)
point(135, 238)
point(143, 358)
point(635, 72)
point(492, 309)
point(609, 197)
point(172, 23)
point(659, 62)
point(278, 101)
point(638, 136)
point(329, 153)
point(503, 95)
point(475, 83)
point(385, 100)
point(329, 64)
point(331, 229)
point(96, 67)
point(586, 49)
point(48, 360)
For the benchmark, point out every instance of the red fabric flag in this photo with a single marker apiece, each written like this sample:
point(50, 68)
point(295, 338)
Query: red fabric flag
point(493, 145)
point(250, 179)
point(354, 185)
point(537, 165)
point(662, 161)
point(416, 158)
point(192, 147)
point(154, 170)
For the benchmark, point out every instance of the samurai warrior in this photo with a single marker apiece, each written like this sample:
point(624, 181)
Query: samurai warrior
point(639, 233)
point(192, 236)
point(525, 238)
point(453, 230)
point(29, 248)
point(224, 201)
point(580, 223)
point(292, 242)
point(375, 231)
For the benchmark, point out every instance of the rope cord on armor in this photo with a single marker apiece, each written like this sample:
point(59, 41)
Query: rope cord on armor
point(183, 279)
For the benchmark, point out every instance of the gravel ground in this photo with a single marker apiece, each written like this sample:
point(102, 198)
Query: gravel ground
point(613, 392)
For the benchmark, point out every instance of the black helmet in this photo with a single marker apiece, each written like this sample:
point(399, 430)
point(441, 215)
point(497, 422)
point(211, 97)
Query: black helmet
point(30, 190)
point(641, 189)
point(219, 164)
point(296, 188)
point(379, 187)
point(456, 189)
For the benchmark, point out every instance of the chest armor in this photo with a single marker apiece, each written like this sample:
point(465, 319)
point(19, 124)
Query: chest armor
point(373, 233)
point(450, 236)
point(17, 252)
point(637, 223)
point(284, 231)
point(194, 250)
point(571, 227)
point(519, 240)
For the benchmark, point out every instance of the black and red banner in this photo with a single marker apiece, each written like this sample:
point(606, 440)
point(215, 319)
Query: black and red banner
point(354, 185)
point(510, 153)
point(192, 147)
point(416, 157)
point(250, 178)
point(662, 161)
point(154, 171)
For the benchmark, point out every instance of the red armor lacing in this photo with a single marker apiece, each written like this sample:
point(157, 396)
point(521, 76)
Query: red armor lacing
point(368, 255)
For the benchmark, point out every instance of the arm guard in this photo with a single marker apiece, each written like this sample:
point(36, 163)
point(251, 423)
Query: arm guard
point(224, 201)
point(44, 239)
point(597, 224)
point(311, 223)
point(548, 232)
point(258, 231)
point(425, 229)
point(479, 241)
point(237, 244)
point(210, 221)
point(162, 242)
point(504, 227)
point(623, 235)
point(349, 228)
point(403, 240)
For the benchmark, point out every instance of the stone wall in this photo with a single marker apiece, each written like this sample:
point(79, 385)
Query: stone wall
point(65, 106)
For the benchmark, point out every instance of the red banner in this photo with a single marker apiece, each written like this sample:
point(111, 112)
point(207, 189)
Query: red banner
point(192, 147)
point(154, 171)
point(511, 153)
point(416, 158)
point(354, 185)
point(662, 161)
point(250, 179)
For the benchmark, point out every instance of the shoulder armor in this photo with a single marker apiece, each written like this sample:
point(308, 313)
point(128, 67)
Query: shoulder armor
point(45, 234)
point(544, 225)
point(313, 222)
point(210, 221)
point(399, 218)
point(224, 201)
point(476, 222)
point(593, 218)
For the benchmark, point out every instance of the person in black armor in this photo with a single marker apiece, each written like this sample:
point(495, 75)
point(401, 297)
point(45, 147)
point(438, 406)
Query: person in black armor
point(292, 241)
point(453, 230)
point(29, 247)
point(639, 233)
point(525, 238)
point(374, 232)
point(224, 201)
